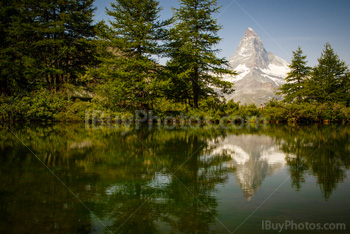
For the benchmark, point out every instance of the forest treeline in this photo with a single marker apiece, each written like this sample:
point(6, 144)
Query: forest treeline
point(56, 63)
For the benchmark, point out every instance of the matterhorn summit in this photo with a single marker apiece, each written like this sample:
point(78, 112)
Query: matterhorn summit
point(260, 73)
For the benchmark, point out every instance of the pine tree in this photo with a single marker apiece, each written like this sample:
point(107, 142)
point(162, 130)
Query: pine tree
point(50, 41)
point(194, 62)
point(330, 78)
point(294, 88)
point(127, 53)
point(10, 71)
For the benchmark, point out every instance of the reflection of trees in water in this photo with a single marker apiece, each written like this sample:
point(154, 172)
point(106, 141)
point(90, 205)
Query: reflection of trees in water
point(321, 151)
point(33, 201)
point(115, 174)
point(182, 200)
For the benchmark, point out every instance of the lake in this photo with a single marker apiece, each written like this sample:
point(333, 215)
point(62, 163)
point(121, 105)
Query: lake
point(251, 179)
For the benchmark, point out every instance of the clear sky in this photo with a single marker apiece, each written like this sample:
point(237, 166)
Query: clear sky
point(281, 24)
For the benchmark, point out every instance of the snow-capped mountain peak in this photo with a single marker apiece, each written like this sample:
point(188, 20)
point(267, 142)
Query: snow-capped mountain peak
point(250, 33)
point(260, 72)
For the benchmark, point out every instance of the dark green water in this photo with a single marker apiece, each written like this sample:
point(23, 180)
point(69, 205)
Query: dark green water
point(195, 180)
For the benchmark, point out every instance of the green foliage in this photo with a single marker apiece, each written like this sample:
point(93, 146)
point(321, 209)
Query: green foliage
point(294, 88)
point(330, 79)
point(46, 106)
point(49, 50)
point(275, 114)
point(46, 43)
point(10, 72)
point(194, 64)
point(246, 111)
point(306, 112)
point(231, 107)
point(38, 106)
point(127, 69)
point(317, 95)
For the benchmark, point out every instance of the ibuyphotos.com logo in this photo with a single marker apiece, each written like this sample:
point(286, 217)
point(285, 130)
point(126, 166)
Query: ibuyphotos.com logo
point(267, 225)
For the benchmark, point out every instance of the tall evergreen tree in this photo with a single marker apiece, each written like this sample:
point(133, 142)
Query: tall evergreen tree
point(129, 47)
point(330, 78)
point(49, 41)
point(9, 69)
point(192, 51)
point(294, 88)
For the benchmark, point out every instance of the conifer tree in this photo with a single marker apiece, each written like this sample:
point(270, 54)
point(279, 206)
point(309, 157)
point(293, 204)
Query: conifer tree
point(129, 47)
point(330, 78)
point(192, 51)
point(10, 72)
point(49, 41)
point(294, 88)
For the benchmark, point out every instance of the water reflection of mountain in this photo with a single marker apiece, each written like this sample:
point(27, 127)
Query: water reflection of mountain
point(170, 178)
point(254, 157)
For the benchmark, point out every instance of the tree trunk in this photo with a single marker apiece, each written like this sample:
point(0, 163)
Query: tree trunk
point(195, 88)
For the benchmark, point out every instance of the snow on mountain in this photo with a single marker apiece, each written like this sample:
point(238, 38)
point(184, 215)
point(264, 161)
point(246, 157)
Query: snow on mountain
point(259, 72)
point(254, 158)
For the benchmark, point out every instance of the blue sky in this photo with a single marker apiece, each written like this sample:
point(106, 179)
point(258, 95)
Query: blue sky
point(281, 24)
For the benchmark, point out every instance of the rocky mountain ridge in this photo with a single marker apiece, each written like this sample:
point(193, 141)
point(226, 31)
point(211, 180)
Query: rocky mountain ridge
point(260, 72)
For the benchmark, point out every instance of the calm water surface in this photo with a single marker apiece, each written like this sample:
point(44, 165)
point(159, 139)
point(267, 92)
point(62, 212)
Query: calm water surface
point(195, 180)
